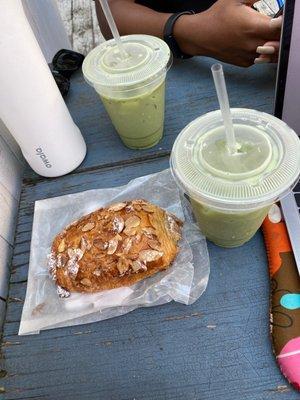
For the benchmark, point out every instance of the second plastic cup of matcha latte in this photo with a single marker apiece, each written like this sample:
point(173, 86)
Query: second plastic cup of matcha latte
point(132, 88)
point(231, 194)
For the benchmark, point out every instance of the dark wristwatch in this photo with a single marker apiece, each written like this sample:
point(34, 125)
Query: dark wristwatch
point(170, 39)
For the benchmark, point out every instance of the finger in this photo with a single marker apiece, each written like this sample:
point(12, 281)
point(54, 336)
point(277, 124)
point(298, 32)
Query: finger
point(275, 44)
point(262, 59)
point(261, 26)
point(265, 49)
point(276, 22)
point(273, 57)
point(275, 25)
point(269, 48)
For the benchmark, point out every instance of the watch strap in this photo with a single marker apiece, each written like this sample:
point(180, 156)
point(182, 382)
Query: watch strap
point(169, 37)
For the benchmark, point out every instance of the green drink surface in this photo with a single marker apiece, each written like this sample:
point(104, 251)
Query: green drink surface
point(253, 158)
point(139, 120)
point(225, 228)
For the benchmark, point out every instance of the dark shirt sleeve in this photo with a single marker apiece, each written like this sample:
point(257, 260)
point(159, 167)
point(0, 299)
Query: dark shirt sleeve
point(173, 6)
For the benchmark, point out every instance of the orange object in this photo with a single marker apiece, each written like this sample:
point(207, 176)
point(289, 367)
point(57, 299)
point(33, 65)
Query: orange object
point(285, 292)
point(277, 241)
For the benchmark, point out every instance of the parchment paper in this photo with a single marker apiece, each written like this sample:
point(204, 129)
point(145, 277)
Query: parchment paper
point(183, 282)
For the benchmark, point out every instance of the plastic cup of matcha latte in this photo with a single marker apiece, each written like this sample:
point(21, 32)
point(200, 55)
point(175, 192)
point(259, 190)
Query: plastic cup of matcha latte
point(231, 193)
point(132, 86)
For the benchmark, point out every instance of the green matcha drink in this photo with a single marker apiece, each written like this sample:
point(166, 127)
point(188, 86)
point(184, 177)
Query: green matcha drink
point(228, 229)
point(139, 120)
point(132, 89)
point(231, 194)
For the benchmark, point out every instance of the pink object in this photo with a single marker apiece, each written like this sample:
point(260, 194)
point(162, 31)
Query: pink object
point(289, 362)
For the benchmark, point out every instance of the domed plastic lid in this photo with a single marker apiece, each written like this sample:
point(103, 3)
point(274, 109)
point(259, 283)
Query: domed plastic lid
point(265, 167)
point(147, 57)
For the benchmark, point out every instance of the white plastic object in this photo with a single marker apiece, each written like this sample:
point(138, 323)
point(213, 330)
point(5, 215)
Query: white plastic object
point(112, 26)
point(219, 80)
point(31, 105)
point(274, 214)
point(116, 77)
point(246, 181)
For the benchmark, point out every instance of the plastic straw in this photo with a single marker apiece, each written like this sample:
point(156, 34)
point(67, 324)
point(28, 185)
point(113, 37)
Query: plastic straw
point(112, 25)
point(218, 75)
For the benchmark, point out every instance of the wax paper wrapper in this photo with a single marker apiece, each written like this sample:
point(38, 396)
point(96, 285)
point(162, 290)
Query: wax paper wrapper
point(183, 282)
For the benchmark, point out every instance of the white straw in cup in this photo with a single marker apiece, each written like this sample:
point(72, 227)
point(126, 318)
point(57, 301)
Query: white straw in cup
point(112, 25)
point(219, 80)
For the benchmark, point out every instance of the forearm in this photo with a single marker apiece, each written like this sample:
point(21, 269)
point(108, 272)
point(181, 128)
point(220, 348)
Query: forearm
point(184, 33)
point(133, 18)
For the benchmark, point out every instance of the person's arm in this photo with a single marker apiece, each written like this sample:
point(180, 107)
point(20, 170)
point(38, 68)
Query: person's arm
point(132, 18)
point(229, 31)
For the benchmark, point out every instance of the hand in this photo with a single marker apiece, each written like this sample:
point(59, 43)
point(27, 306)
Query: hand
point(269, 51)
point(230, 31)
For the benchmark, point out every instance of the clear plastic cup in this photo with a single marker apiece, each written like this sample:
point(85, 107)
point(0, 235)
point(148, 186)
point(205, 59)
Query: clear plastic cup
point(132, 89)
point(232, 194)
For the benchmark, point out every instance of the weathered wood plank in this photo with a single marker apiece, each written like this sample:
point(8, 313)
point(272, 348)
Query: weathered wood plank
point(66, 12)
point(82, 26)
point(8, 212)
point(12, 144)
point(186, 99)
point(5, 258)
point(97, 35)
point(218, 348)
point(11, 170)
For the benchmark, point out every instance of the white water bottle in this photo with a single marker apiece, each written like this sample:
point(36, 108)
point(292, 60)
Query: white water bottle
point(31, 105)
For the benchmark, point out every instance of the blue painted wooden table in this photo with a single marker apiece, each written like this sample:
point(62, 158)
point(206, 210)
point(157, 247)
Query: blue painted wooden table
point(218, 348)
